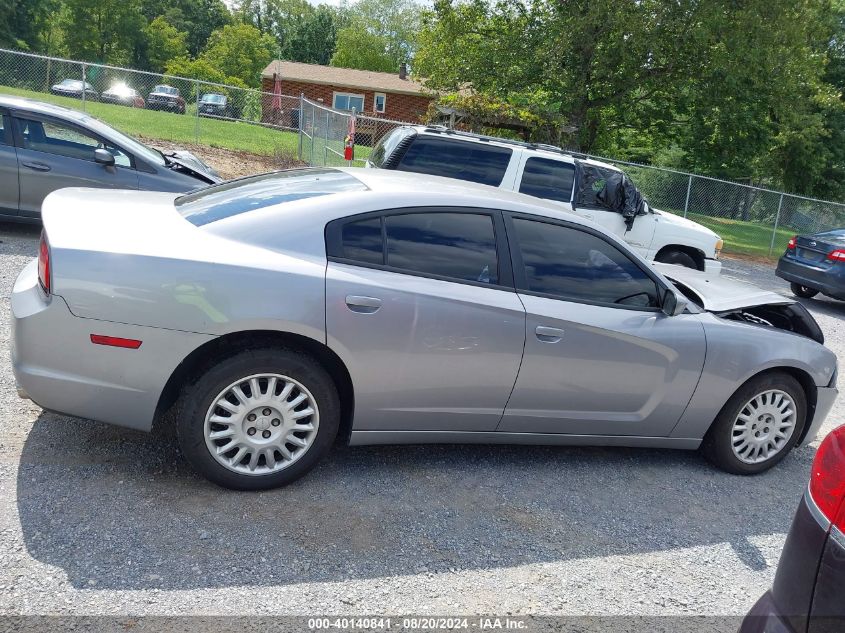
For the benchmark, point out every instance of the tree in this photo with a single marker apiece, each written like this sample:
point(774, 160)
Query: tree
point(240, 50)
point(198, 18)
point(107, 31)
point(22, 21)
point(358, 48)
point(164, 42)
point(396, 22)
point(302, 32)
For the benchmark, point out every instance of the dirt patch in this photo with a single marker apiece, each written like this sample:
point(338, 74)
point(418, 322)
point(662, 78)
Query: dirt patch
point(755, 259)
point(230, 163)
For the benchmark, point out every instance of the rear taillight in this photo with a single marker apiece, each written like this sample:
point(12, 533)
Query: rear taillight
point(44, 263)
point(827, 481)
point(836, 256)
point(790, 245)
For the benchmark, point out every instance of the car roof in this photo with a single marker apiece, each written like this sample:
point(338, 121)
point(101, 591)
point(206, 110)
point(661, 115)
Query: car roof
point(41, 107)
point(539, 149)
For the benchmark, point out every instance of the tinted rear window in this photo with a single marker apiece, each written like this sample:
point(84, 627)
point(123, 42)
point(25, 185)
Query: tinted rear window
point(549, 179)
point(475, 162)
point(256, 192)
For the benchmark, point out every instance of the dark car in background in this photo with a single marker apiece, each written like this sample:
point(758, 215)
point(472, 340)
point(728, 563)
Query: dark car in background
point(44, 147)
point(164, 97)
point(814, 264)
point(74, 88)
point(808, 594)
point(121, 94)
point(214, 104)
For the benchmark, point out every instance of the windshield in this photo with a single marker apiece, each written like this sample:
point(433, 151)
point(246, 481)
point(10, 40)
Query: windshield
point(71, 83)
point(232, 198)
point(168, 90)
point(121, 89)
point(213, 98)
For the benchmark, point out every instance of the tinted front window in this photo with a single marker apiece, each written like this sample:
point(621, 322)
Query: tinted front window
point(549, 179)
point(3, 140)
point(56, 138)
point(362, 241)
point(475, 162)
point(256, 192)
point(572, 264)
point(457, 245)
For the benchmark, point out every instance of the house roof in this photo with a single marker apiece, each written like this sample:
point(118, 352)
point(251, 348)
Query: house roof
point(343, 77)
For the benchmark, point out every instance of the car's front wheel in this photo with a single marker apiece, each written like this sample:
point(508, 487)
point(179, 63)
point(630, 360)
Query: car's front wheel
point(259, 419)
point(758, 426)
point(805, 292)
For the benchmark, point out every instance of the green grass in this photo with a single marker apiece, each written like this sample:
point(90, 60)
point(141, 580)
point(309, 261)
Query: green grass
point(746, 238)
point(233, 135)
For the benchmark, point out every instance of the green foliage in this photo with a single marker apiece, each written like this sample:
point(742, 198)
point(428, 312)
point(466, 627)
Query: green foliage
point(302, 32)
point(108, 31)
point(358, 48)
point(198, 18)
point(164, 42)
point(22, 21)
point(395, 22)
point(239, 50)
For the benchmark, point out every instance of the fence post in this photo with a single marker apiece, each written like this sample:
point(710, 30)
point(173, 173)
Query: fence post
point(300, 124)
point(197, 103)
point(326, 141)
point(313, 130)
point(775, 230)
point(83, 86)
point(686, 203)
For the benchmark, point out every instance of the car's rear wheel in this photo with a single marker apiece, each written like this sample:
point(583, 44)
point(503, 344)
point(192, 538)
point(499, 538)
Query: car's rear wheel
point(259, 419)
point(805, 292)
point(758, 426)
point(676, 257)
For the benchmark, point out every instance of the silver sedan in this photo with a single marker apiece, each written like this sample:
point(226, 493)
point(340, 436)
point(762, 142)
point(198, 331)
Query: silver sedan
point(265, 317)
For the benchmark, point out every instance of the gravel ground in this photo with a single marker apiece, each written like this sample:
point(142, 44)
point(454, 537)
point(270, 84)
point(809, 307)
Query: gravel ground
point(98, 520)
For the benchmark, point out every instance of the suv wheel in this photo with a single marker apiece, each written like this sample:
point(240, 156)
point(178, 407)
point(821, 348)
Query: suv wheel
point(677, 257)
point(259, 419)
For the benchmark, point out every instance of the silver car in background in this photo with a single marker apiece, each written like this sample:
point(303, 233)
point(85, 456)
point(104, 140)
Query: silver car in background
point(266, 316)
point(45, 147)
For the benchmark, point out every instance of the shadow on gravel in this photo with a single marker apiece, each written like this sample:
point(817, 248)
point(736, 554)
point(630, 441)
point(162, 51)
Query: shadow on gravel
point(116, 509)
point(824, 305)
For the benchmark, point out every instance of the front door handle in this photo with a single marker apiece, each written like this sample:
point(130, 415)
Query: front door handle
point(36, 166)
point(364, 305)
point(548, 334)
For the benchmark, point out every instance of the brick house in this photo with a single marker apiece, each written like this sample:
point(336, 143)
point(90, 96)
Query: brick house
point(381, 95)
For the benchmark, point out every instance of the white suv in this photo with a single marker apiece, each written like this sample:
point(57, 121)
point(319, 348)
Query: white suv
point(594, 190)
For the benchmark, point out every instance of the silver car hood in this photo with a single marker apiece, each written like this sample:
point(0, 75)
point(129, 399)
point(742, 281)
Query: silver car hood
point(719, 293)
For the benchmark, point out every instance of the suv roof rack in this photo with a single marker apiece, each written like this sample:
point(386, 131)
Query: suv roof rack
point(440, 129)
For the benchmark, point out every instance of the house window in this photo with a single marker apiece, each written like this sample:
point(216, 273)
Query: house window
point(347, 101)
point(379, 102)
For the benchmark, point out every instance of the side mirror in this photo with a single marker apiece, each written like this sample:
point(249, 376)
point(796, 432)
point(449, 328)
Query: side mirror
point(673, 305)
point(103, 157)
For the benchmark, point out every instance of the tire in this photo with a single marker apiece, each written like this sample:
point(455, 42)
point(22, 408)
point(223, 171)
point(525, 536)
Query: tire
point(718, 444)
point(803, 291)
point(677, 257)
point(272, 422)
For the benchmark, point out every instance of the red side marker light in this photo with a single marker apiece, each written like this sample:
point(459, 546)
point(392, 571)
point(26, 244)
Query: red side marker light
point(115, 341)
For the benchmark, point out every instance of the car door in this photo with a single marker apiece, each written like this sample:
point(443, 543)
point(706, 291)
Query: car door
point(9, 189)
point(421, 308)
point(587, 204)
point(600, 357)
point(53, 154)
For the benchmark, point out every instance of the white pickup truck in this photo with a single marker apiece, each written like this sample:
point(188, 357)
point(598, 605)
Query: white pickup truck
point(591, 189)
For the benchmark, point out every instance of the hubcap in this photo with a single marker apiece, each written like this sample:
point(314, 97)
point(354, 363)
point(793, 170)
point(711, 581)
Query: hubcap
point(261, 424)
point(763, 426)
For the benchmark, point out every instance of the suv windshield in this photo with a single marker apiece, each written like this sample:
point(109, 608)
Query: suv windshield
point(383, 151)
point(256, 192)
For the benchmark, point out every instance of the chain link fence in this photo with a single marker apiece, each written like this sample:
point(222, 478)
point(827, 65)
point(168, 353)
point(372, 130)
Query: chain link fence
point(324, 130)
point(160, 107)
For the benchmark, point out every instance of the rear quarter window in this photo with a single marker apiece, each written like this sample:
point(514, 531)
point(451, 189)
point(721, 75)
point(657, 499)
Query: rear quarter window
point(475, 162)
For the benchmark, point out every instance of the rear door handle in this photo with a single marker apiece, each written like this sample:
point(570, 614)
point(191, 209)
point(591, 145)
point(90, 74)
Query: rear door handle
point(364, 305)
point(36, 166)
point(548, 334)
